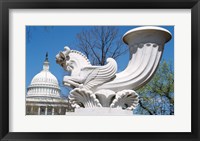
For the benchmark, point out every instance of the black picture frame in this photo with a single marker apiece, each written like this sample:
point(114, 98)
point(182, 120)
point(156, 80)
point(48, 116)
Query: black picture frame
point(5, 5)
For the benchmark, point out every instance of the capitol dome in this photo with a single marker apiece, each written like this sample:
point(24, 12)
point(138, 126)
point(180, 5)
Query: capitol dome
point(43, 94)
point(44, 78)
point(44, 84)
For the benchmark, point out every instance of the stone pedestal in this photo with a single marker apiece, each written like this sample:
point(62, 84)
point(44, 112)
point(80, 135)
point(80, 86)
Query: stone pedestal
point(100, 111)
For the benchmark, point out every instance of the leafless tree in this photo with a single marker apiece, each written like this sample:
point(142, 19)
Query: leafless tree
point(101, 42)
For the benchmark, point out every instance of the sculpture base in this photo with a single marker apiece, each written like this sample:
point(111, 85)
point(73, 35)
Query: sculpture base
point(100, 111)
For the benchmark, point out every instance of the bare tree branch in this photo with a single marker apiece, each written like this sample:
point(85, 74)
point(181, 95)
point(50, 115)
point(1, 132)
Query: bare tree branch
point(100, 43)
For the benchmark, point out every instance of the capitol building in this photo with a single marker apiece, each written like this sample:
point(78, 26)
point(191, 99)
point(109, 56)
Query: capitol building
point(43, 95)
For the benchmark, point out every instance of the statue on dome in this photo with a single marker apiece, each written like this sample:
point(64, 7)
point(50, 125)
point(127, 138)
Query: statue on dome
point(46, 58)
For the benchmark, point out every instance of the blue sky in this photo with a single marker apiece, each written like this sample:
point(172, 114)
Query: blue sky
point(53, 39)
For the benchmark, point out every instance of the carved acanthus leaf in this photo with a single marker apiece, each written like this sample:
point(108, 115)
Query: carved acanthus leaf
point(126, 99)
point(83, 98)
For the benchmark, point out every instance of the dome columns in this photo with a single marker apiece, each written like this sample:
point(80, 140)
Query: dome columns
point(45, 110)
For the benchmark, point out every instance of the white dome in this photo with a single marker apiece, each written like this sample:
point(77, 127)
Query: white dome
point(44, 84)
point(44, 77)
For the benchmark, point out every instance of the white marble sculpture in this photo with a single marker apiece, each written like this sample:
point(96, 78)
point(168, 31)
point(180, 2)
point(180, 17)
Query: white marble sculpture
point(101, 86)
